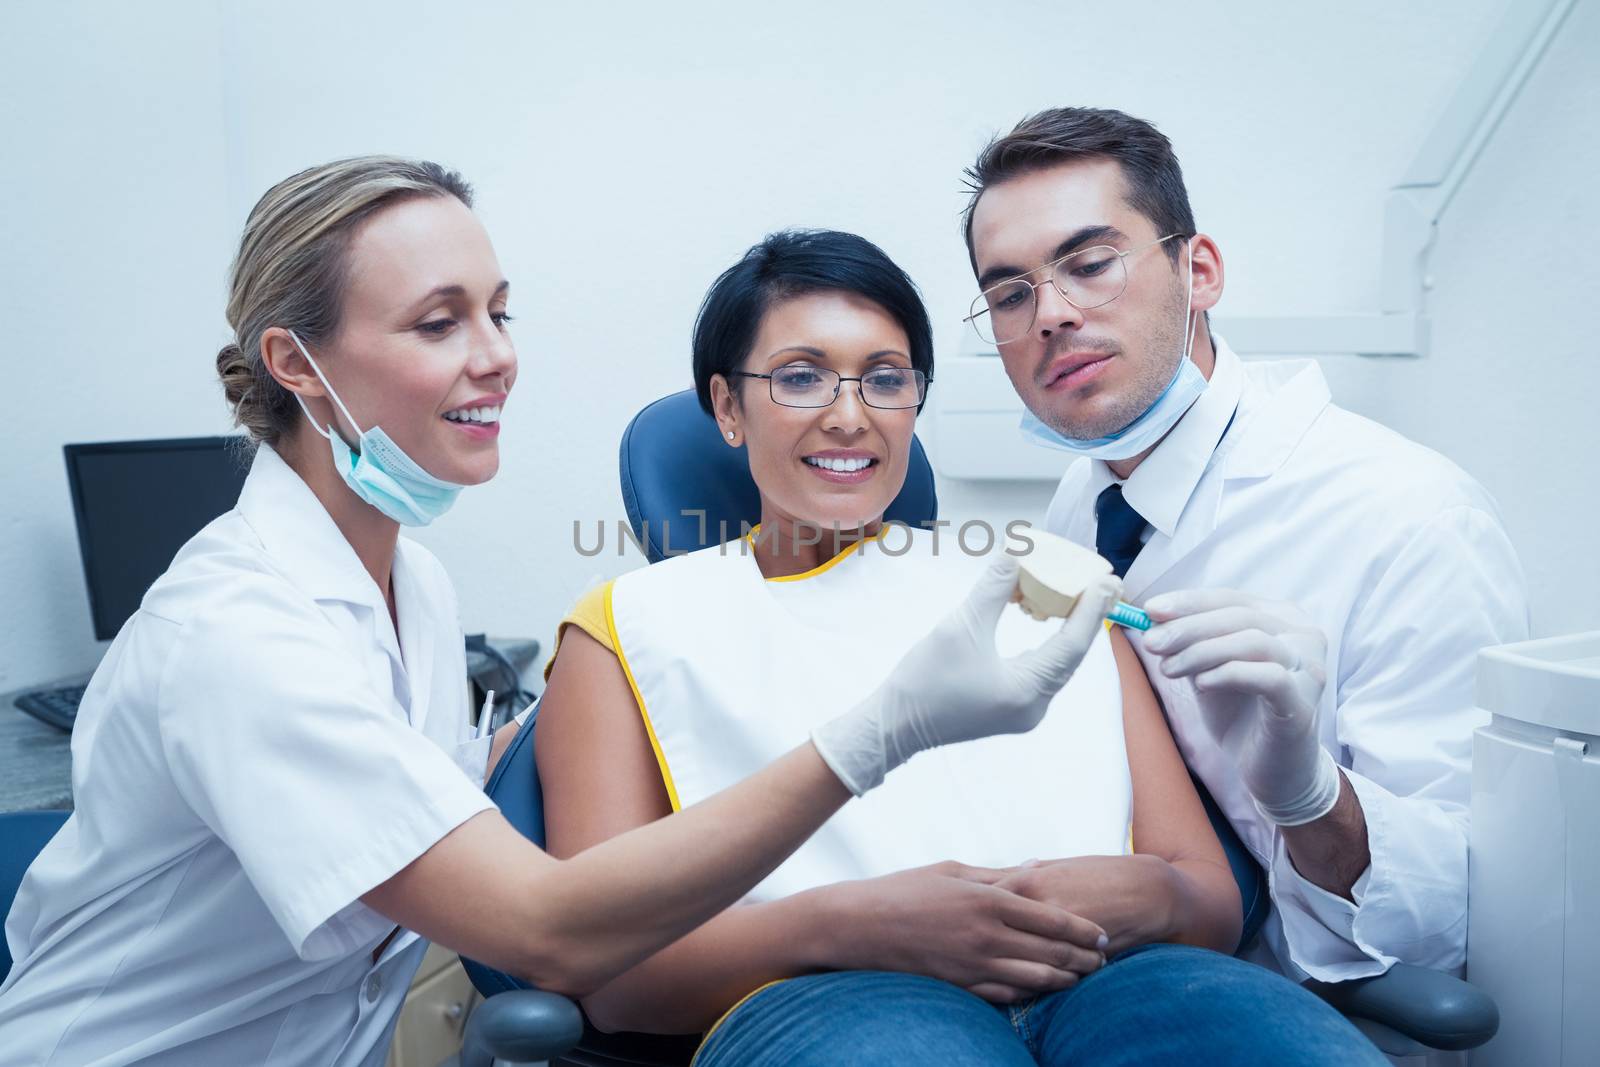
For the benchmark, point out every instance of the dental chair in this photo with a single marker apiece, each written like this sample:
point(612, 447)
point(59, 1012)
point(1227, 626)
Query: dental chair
point(23, 835)
point(684, 489)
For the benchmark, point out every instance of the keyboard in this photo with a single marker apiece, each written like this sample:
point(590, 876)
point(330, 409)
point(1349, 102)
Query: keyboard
point(58, 707)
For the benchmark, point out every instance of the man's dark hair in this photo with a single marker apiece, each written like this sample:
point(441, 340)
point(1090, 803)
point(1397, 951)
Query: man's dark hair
point(793, 263)
point(1149, 167)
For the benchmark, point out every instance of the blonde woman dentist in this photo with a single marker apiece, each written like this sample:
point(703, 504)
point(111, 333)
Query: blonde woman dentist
point(277, 797)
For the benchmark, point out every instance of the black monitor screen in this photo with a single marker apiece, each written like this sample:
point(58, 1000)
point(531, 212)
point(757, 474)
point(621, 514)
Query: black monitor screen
point(137, 502)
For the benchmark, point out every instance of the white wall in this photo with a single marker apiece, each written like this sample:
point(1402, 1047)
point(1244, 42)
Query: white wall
point(625, 154)
point(1511, 389)
point(115, 237)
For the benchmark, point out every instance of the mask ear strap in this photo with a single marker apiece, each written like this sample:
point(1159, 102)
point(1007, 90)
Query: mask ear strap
point(310, 418)
point(1189, 328)
point(326, 385)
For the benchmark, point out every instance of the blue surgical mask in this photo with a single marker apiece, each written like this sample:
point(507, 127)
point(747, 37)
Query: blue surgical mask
point(381, 473)
point(1150, 427)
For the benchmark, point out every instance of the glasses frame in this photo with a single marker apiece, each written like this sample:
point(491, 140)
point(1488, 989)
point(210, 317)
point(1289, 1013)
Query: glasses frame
point(1050, 277)
point(922, 379)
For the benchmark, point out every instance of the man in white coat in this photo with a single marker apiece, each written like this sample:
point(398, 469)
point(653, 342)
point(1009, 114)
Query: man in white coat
point(1321, 584)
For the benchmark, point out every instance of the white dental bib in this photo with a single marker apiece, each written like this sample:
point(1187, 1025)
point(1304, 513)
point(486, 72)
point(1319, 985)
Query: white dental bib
point(732, 671)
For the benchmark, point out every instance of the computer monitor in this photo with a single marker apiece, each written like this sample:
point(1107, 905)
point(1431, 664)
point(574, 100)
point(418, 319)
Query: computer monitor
point(136, 503)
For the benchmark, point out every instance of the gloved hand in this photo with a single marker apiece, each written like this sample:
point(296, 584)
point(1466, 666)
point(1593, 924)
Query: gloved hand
point(1261, 667)
point(953, 686)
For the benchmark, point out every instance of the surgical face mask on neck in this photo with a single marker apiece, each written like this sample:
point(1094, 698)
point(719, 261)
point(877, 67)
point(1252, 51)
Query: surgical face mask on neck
point(1150, 427)
point(381, 473)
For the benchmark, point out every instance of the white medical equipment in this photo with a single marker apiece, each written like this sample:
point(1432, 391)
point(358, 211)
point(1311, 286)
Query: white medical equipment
point(1533, 939)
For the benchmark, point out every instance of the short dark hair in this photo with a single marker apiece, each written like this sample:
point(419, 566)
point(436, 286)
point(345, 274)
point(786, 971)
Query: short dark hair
point(1149, 166)
point(793, 263)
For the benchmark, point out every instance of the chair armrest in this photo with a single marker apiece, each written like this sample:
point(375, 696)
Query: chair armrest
point(1433, 1008)
point(521, 1026)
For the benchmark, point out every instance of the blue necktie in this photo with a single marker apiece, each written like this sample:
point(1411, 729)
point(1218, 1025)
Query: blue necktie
point(1118, 529)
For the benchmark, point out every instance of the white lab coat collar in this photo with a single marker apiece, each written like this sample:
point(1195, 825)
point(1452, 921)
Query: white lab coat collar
point(1267, 433)
point(1160, 488)
point(1178, 487)
point(300, 535)
point(417, 632)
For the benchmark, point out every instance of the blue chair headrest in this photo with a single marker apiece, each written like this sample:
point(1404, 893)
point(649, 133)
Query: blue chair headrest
point(675, 465)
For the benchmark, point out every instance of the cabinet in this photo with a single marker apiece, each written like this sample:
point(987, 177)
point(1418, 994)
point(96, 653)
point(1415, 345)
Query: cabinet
point(1533, 932)
point(435, 1012)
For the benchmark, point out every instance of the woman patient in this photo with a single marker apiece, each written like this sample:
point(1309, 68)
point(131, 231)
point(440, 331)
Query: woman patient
point(1060, 848)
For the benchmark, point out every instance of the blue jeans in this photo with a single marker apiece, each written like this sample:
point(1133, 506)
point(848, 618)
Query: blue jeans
point(1153, 1005)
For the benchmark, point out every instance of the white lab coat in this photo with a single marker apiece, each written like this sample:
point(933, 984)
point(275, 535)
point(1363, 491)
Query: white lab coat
point(1402, 560)
point(255, 752)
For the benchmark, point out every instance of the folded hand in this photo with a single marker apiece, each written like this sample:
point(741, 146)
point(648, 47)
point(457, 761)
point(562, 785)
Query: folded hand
point(957, 923)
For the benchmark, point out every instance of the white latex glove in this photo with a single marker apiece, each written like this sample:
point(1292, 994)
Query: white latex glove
point(1260, 666)
point(953, 686)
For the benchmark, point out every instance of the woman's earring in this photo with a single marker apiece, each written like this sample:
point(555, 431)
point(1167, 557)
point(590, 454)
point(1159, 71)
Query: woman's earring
point(730, 435)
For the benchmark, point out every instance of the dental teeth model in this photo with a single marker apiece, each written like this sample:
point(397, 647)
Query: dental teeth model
point(1054, 575)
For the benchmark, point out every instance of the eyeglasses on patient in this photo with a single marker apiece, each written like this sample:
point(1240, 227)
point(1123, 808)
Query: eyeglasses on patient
point(1088, 278)
point(805, 385)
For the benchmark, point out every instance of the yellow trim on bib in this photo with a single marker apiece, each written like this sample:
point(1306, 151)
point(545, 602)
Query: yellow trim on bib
point(835, 561)
point(724, 1016)
point(588, 615)
point(638, 698)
